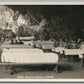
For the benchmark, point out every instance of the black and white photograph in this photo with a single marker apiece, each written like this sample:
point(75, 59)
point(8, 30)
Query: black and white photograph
point(41, 42)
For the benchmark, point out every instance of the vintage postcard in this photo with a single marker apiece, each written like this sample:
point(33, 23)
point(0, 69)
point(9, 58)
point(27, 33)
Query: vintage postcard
point(42, 41)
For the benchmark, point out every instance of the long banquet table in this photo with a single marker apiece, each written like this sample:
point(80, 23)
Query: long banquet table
point(20, 54)
point(71, 52)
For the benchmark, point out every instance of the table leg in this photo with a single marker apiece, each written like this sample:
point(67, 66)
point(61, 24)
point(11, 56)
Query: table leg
point(68, 58)
point(6, 68)
point(56, 68)
point(81, 64)
point(47, 67)
point(11, 70)
point(72, 59)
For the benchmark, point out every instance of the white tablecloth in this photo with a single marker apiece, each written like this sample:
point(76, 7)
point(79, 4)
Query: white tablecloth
point(59, 49)
point(30, 56)
point(79, 52)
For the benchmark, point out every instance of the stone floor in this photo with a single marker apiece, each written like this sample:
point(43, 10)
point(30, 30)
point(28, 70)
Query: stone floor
point(67, 70)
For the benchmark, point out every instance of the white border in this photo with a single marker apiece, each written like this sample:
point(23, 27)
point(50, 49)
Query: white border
point(42, 3)
point(42, 80)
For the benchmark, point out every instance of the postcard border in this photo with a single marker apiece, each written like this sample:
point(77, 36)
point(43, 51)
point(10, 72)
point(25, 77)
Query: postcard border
point(42, 3)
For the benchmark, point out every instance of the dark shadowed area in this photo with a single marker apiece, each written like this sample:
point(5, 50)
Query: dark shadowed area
point(63, 21)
